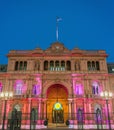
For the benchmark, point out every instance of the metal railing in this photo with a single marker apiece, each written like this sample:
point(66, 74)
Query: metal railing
point(18, 120)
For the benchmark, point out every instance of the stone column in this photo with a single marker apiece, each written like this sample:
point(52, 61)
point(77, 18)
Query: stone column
point(41, 65)
point(72, 65)
point(29, 109)
point(39, 110)
point(69, 108)
point(42, 109)
point(45, 109)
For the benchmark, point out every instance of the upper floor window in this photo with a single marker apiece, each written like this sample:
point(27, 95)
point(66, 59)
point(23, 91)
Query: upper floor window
point(16, 65)
point(25, 65)
point(62, 65)
point(20, 65)
point(93, 65)
point(57, 65)
point(68, 65)
point(97, 65)
point(45, 65)
point(52, 65)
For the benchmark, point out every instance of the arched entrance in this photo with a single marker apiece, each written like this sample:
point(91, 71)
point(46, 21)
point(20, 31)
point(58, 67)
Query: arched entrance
point(57, 103)
point(14, 118)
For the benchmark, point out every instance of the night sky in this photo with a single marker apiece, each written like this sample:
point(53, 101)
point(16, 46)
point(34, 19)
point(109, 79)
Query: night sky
point(27, 24)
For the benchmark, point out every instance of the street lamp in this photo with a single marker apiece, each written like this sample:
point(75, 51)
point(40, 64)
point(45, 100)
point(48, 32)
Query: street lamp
point(5, 96)
point(107, 95)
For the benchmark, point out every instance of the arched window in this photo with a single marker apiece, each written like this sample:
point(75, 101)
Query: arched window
point(68, 65)
point(98, 112)
point(62, 65)
point(45, 65)
point(93, 65)
point(95, 88)
point(25, 65)
point(89, 65)
point(57, 65)
point(52, 65)
point(19, 87)
point(97, 65)
point(21, 65)
point(16, 65)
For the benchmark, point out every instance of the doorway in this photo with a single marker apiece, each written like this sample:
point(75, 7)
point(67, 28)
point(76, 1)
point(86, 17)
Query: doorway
point(57, 100)
point(57, 113)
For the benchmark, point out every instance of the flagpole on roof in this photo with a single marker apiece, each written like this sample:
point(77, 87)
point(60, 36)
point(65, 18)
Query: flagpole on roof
point(57, 21)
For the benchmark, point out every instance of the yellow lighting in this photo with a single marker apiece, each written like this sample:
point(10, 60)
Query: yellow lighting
point(106, 93)
point(11, 94)
point(57, 106)
point(102, 94)
point(2, 94)
point(110, 94)
point(6, 94)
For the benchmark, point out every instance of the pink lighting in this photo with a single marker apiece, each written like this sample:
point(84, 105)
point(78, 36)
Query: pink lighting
point(36, 90)
point(78, 89)
point(0, 87)
point(20, 87)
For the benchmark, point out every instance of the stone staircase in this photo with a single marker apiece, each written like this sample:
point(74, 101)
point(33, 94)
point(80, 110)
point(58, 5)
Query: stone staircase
point(57, 125)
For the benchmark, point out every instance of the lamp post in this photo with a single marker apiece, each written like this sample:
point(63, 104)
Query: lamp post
point(5, 96)
point(107, 95)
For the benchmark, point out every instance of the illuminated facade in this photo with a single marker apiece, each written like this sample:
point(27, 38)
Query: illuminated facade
point(57, 83)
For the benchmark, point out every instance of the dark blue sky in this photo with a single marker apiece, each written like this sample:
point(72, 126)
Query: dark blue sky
point(27, 24)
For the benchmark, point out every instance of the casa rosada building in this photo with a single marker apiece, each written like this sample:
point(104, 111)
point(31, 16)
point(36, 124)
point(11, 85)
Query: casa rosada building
point(58, 83)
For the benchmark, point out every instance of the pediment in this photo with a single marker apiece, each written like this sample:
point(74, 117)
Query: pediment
point(57, 47)
point(37, 50)
point(76, 50)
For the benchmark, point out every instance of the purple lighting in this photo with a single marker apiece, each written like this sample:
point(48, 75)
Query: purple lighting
point(95, 88)
point(78, 89)
point(36, 89)
point(20, 87)
point(0, 87)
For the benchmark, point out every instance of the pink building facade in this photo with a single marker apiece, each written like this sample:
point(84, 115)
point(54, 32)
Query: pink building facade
point(58, 83)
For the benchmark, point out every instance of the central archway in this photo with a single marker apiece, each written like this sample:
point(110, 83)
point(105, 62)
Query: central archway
point(57, 94)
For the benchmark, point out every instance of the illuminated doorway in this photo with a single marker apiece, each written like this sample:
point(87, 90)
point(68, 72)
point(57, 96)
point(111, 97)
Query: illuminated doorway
point(57, 113)
point(57, 94)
